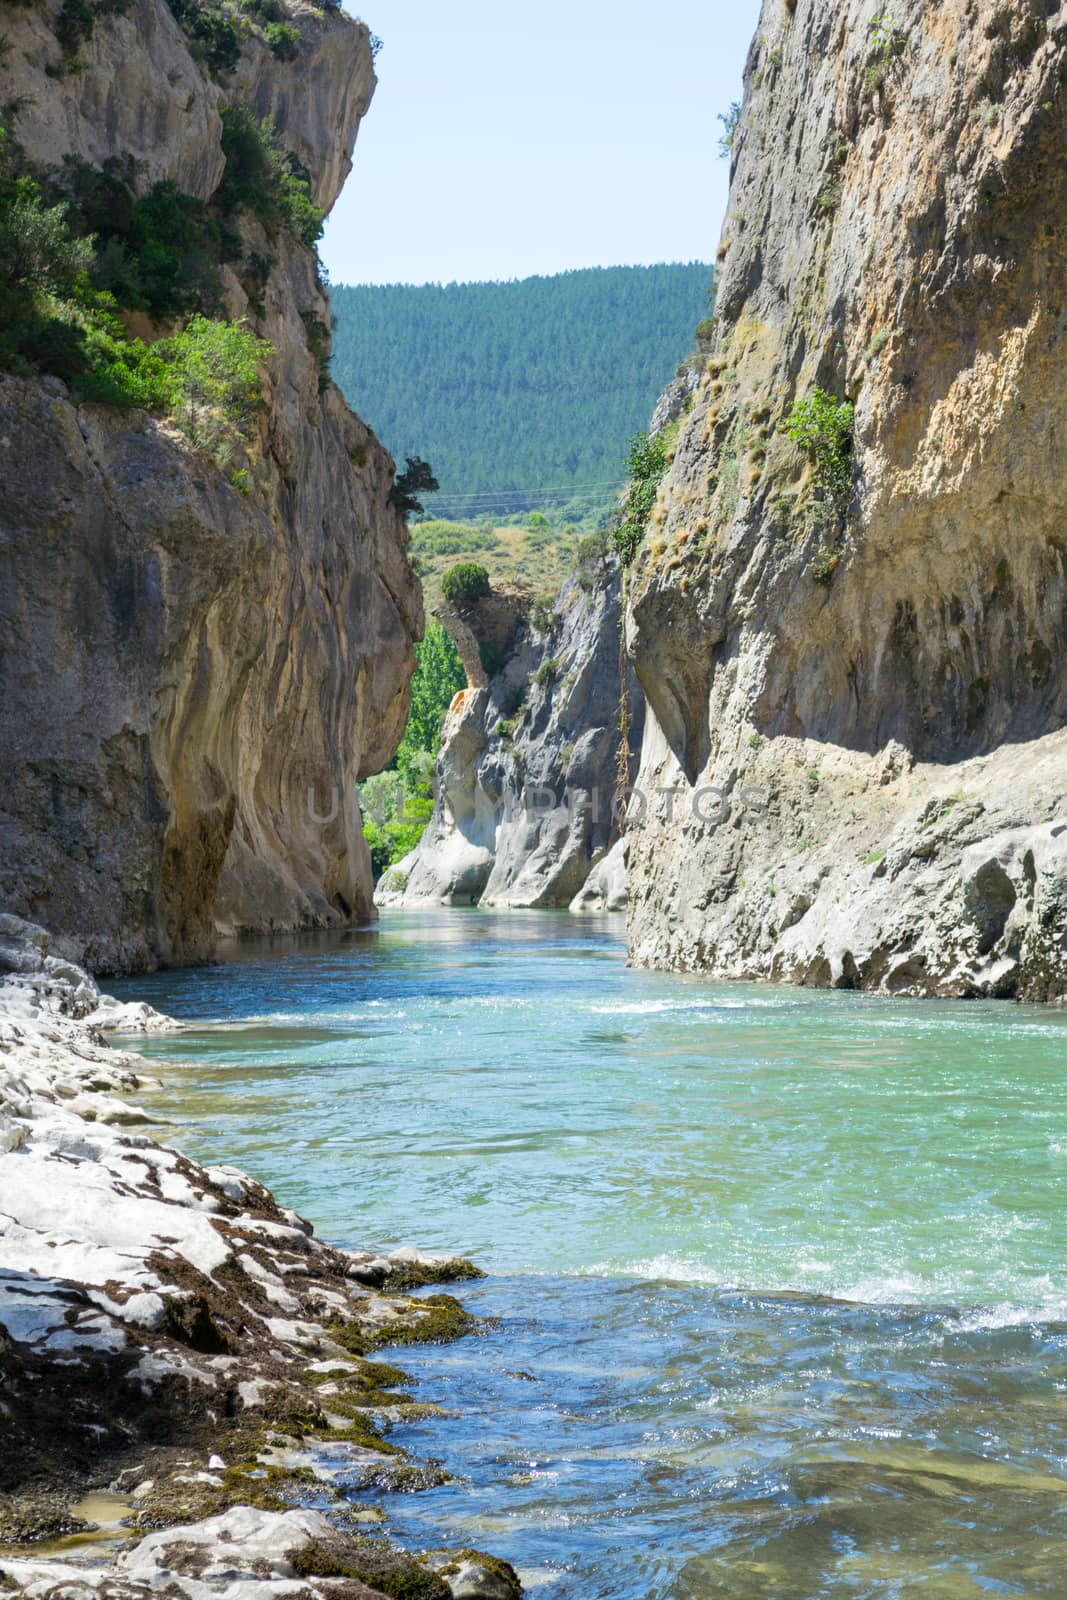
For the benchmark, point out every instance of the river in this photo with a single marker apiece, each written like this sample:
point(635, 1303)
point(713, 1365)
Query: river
point(780, 1274)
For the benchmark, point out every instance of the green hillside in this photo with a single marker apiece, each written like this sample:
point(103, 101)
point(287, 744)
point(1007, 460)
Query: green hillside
point(522, 395)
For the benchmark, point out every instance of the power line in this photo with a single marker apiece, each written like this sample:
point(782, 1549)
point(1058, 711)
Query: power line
point(486, 502)
point(495, 494)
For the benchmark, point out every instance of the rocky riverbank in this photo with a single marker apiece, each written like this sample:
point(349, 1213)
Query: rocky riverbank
point(173, 1337)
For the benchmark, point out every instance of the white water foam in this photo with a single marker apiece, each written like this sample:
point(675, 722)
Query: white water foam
point(903, 1289)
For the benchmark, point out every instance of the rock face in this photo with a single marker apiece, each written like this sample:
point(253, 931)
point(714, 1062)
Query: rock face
point(526, 778)
point(195, 677)
point(169, 1331)
point(867, 700)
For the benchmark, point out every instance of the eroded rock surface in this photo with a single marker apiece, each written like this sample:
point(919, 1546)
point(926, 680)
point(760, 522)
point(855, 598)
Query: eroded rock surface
point(874, 696)
point(195, 677)
point(527, 775)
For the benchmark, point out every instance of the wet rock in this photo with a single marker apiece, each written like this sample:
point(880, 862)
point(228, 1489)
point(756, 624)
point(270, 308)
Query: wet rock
point(473, 1576)
point(605, 887)
point(245, 1553)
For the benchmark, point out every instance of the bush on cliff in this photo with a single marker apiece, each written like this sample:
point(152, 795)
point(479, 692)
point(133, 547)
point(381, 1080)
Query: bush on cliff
point(57, 316)
point(263, 177)
point(645, 466)
point(822, 427)
point(417, 478)
point(465, 583)
point(216, 29)
point(54, 319)
point(75, 20)
point(158, 252)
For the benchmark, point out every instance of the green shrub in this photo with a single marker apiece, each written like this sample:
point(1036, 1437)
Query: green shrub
point(646, 465)
point(393, 839)
point(398, 804)
point(76, 20)
point(37, 246)
point(55, 317)
point(167, 262)
point(215, 382)
point(547, 672)
point(213, 32)
point(822, 426)
point(542, 617)
point(283, 39)
point(887, 40)
point(729, 121)
point(465, 583)
point(593, 548)
point(263, 177)
point(439, 676)
point(888, 45)
point(318, 339)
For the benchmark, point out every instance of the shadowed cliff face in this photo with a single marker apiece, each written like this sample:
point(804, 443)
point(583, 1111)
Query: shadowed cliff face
point(892, 680)
point(193, 676)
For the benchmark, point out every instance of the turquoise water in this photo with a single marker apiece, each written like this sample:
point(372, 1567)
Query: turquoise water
point(781, 1273)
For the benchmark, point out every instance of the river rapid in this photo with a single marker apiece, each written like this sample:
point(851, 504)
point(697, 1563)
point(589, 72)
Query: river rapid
point(779, 1275)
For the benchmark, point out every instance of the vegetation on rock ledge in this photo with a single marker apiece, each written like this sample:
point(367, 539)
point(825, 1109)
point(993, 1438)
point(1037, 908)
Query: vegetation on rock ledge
point(79, 246)
point(647, 463)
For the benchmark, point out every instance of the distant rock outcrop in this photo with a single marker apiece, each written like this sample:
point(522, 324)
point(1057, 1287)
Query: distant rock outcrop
point(527, 775)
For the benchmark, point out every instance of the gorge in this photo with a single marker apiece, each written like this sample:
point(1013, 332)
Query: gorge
point(709, 1273)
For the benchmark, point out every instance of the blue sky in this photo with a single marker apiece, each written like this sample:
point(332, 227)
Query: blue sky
point(506, 140)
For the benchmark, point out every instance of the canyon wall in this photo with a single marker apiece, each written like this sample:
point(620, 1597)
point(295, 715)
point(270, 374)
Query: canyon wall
point(858, 697)
point(526, 777)
point(197, 664)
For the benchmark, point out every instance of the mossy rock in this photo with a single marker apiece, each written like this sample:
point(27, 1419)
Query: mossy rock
point(437, 1319)
point(505, 1580)
point(417, 1274)
point(379, 1566)
point(445, 1322)
point(30, 1519)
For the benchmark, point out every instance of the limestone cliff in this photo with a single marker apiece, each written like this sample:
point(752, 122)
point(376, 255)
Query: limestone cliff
point(873, 681)
point(197, 664)
point(526, 777)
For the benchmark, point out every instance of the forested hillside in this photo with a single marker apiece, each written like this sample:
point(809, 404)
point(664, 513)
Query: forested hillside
point(522, 395)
